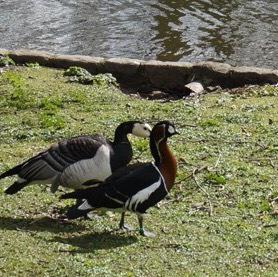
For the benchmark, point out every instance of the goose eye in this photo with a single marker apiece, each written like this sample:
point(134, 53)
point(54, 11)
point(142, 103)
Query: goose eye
point(147, 127)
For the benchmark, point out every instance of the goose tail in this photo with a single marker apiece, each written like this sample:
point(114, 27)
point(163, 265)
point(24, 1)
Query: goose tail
point(78, 194)
point(13, 171)
point(15, 187)
point(79, 210)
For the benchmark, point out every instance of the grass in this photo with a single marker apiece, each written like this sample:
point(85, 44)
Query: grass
point(220, 219)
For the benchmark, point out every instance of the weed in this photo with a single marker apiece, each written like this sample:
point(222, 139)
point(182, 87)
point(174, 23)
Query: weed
point(6, 61)
point(33, 65)
point(81, 75)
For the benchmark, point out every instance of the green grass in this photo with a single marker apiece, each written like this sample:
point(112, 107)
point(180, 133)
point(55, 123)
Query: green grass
point(220, 218)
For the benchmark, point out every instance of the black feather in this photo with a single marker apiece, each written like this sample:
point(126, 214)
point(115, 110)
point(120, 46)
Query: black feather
point(15, 187)
point(11, 171)
point(74, 212)
point(78, 194)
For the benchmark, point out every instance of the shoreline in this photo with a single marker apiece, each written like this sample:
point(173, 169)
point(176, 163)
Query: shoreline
point(170, 77)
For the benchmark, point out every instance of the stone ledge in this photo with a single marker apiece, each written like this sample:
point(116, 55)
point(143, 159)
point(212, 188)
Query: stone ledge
point(167, 76)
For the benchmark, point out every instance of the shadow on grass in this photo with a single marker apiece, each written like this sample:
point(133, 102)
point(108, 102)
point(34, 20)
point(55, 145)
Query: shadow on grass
point(96, 241)
point(39, 224)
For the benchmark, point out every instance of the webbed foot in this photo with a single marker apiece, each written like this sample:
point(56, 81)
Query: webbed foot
point(146, 233)
point(126, 227)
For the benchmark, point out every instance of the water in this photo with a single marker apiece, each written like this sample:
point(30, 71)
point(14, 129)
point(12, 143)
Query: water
point(239, 32)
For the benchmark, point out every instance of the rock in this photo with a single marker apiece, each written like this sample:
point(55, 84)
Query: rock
point(211, 88)
point(169, 76)
point(244, 75)
point(122, 67)
point(26, 56)
point(194, 87)
point(155, 95)
point(93, 64)
point(166, 76)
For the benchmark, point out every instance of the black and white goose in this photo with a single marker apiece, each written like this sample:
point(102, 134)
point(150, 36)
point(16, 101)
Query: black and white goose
point(70, 163)
point(134, 189)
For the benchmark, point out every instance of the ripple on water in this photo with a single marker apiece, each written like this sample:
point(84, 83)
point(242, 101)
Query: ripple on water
point(243, 32)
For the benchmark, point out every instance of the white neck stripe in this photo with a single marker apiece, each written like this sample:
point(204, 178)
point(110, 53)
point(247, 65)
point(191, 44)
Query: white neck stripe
point(161, 176)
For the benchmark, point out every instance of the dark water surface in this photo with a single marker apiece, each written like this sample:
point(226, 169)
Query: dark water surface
point(239, 32)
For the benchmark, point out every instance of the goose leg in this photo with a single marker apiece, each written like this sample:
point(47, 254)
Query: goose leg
point(122, 224)
point(142, 230)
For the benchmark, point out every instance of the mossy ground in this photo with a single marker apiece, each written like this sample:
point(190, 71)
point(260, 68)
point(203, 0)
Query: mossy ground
point(220, 220)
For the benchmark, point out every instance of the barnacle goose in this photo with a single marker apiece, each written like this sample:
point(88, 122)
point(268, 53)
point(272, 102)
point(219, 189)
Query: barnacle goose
point(134, 188)
point(70, 163)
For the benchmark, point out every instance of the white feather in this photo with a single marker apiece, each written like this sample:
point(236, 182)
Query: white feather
point(85, 206)
point(171, 130)
point(20, 180)
point(141, 130)
point(142, 195)
point(163, 180)
point(114, 199)
point(97, 168)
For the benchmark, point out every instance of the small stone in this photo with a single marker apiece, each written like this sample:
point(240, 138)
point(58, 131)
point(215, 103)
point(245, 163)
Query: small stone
point(155, 95)
point(194, 87)
point(212, 88)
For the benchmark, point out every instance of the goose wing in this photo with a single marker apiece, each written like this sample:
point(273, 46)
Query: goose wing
point(49, 164)
point(119, 173)
point(78, 148)
point(136, 191)
point(89, 159)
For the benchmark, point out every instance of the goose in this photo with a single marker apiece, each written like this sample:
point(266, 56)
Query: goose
point(70, 163)
point(134, 189)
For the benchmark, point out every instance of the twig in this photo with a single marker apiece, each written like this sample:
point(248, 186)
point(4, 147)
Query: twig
point(187, 125)
point(269, 225)
point(195, 171)
point(218, 160)
point(220, 140)
point(260, 159)
point(262, 146)
point(272, 164)
point(36, 220)
point(275, 199)
point(168, 201)
point(263, 159)
point(204, 191)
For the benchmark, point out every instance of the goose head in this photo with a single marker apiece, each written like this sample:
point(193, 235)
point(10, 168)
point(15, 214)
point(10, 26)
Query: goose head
point(141, 129)
point(136, 128)
point(163, 130)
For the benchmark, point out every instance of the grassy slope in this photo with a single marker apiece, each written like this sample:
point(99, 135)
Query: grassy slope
point(235, 136)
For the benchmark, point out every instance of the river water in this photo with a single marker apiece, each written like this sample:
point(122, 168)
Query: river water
point(239, 32)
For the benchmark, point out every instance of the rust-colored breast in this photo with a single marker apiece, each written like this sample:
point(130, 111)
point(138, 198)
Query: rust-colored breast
point(168, 166)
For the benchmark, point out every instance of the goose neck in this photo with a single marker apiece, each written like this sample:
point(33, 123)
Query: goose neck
point(120, 136)
point(165, 161)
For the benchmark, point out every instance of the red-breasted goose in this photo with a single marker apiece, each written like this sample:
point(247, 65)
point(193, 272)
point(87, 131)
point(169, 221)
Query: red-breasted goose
point(70, 163)
point(138, 188)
